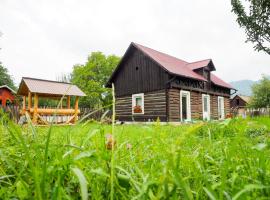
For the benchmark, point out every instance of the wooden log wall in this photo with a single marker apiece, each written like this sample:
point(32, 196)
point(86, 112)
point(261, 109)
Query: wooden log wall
point(174, 105)
point(214, 106)
point(196, 105)
point(154, 107)
point(227, 106)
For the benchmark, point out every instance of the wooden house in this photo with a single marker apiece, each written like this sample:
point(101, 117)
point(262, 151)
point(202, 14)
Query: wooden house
point(239, 104)
point(151, 85)
point(32, 89)
point(7, 95)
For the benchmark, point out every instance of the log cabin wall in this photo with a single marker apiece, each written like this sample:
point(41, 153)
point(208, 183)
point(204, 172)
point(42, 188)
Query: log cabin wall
point(174, 105)
point(227, 106)
point(196, 105)
point(214, 106)
point(154, 107)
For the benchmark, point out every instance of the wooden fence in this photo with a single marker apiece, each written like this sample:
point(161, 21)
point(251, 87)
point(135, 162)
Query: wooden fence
point(250, 112)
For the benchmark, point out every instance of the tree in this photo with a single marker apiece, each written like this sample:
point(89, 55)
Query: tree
point(5, 78)
point(254, 17)
point(261, 94)
point(92, 77)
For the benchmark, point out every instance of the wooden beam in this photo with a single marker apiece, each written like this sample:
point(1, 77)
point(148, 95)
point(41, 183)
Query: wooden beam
point(52, 111)
point(76, 109)
point(198, 90)
point(24, 103)
point(68, 102)
point(29, 100)
point(41, 119)
point(70, 120)
point(35, 116)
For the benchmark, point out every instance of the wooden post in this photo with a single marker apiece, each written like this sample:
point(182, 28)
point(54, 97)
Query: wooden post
point(24, 103)
point(68, 102)
point(76, 109)
point(29, 100)
point(35, 116)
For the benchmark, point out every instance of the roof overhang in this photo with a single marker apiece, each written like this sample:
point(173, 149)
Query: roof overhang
point(7, 87)
point(47, 88)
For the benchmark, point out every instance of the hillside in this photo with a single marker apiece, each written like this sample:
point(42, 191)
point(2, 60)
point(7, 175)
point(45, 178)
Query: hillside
point(243, 86)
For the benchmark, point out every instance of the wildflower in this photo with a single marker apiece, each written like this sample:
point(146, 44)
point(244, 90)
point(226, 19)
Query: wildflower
point(129, 146)
point(110, 141)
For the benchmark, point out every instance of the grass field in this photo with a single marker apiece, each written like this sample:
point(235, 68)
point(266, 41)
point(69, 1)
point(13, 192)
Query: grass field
point(225, 160)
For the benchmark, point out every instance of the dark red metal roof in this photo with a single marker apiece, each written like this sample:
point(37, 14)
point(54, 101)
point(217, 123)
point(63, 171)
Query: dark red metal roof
point(198, 64)
point(180, 67)
point(170, 63)
point(217, 81)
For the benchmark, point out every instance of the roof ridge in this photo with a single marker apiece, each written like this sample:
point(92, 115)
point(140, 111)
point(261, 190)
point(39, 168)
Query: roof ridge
point(46, 80)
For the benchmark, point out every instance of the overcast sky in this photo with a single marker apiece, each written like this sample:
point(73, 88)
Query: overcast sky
point(44, 39)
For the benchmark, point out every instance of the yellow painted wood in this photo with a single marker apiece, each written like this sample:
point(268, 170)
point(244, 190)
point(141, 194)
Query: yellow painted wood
point(24, 103)
point(29, 100)
point(76, 107)
point(68, 102)
point(50, 111)
point(35, 115)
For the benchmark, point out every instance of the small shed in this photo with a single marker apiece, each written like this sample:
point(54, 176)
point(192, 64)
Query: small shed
point(31, 89)
point(239, 104)
point(6, 95)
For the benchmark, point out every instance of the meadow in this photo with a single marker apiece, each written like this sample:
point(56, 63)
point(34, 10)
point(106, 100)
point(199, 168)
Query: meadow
point(214, 160)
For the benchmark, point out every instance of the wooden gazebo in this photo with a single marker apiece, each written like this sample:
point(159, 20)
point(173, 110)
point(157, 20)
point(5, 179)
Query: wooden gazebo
point(31, 89)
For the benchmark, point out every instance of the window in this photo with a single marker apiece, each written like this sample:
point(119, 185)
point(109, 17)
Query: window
point(221, 114)
point(138, 103)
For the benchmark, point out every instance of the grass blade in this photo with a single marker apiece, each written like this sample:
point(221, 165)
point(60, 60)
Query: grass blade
point(82, 181)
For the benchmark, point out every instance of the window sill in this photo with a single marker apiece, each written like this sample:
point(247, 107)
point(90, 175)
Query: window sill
point(137, 113)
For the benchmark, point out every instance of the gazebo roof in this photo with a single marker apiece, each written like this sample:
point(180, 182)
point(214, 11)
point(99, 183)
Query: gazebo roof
point(48, 88)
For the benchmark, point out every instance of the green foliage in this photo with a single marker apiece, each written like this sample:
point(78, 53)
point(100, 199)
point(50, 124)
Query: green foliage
point(254, 17)
point(261, 94)
point(192, 161)
point(92, 77)
point(5, 78)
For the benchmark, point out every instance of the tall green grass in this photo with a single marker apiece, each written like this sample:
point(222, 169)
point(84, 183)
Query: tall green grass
point(215, 160)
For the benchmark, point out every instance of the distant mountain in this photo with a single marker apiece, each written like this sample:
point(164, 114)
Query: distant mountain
point(243, 86)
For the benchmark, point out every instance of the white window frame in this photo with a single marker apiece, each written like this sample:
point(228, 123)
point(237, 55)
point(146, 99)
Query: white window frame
point(188, 105)
point(222, 109)
point(134, 103)
point(208, 105)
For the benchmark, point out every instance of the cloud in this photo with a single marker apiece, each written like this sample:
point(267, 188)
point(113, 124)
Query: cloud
point(46, 38)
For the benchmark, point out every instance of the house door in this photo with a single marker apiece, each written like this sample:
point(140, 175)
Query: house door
point(206, 106)
point(221, 114)
point(185, 112)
